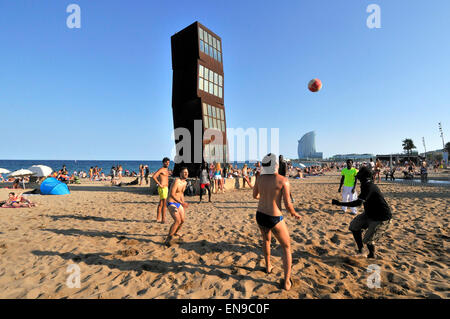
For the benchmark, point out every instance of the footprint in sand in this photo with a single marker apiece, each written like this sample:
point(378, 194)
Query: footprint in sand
point(128, 252)
point(318, 250)
point(335, 239)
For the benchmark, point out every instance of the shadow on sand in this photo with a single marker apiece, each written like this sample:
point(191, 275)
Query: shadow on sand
point(105, 188)
point(99, 219)
point(157, 266)
point(409, 195)
point(118, 235)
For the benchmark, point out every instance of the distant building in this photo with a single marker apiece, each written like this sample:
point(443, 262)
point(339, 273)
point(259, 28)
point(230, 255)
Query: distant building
point(400, 158)
point(433, 153)
point(307, 147)
point(355, 157)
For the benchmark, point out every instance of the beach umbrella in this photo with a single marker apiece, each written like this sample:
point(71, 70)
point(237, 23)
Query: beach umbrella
point(21, 173)
point(4, 171)
point(41, 170)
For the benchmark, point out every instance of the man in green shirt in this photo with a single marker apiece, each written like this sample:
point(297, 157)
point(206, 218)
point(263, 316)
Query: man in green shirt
point(349, 180)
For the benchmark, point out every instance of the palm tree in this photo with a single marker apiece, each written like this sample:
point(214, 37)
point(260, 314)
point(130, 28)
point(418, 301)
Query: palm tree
point(408, 145)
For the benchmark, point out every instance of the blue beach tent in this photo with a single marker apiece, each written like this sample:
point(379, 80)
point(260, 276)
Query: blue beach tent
point(51, 186)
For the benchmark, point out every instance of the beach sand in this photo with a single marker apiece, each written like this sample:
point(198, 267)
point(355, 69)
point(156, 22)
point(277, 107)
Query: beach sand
point(112, 235)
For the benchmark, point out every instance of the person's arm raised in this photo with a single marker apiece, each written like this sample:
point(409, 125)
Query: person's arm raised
point(287, 199)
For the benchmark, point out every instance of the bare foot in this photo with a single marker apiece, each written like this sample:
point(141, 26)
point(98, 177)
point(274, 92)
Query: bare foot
point(269, 269)
point(167, 242)
point(288, 284)
point(358, 254)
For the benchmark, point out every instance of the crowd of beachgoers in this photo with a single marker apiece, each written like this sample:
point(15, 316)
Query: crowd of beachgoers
point(125, 232)
point(405, 169)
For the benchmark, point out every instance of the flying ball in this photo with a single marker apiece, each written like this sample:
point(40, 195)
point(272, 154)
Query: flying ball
point(314, 85)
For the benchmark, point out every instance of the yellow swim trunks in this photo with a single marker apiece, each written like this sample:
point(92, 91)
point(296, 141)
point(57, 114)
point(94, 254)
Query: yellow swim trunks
point(163, 192)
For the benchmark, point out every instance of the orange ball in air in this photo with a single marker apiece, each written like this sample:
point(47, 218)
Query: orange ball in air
point(314, 85)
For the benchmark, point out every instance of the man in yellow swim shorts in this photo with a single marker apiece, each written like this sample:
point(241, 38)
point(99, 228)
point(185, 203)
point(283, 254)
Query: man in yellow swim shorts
point(163, 189)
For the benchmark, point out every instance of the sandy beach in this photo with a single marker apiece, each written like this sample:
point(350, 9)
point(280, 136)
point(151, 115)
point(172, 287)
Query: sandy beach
point(112, 235)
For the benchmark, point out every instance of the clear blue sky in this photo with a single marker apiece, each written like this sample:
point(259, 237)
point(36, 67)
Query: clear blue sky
point(104, 91)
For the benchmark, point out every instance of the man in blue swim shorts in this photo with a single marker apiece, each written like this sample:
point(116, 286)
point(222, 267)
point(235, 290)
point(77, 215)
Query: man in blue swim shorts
point(176, 204)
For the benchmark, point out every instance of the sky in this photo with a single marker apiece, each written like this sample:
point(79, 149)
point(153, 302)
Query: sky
point(104, 91)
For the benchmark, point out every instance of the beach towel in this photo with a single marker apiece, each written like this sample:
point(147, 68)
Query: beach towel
point(13, 207)
point(8, 206)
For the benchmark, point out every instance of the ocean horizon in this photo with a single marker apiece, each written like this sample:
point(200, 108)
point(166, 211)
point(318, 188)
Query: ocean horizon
point(84, 165)
point(105, 165)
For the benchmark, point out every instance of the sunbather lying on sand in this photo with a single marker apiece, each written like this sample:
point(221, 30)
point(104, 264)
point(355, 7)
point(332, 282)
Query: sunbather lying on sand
point(16, 201)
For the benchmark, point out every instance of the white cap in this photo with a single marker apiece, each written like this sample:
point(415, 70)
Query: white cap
point(269, 164)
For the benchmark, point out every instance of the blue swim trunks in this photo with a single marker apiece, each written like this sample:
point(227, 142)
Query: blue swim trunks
point(177, 205)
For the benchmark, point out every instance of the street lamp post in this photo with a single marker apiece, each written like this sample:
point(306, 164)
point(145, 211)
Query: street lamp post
point(442, 135)
point(444, 153)
point(423, 141)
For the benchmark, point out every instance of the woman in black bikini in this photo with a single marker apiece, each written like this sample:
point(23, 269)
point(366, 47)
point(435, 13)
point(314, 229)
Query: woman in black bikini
point(270, 188)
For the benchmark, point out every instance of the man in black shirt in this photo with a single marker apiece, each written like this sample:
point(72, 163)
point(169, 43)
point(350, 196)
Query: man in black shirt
point(376, 216)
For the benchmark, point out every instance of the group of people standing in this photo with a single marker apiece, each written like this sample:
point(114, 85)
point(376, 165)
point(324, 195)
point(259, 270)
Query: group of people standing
point(144, 173)
point(116, 174)
point(271, 187)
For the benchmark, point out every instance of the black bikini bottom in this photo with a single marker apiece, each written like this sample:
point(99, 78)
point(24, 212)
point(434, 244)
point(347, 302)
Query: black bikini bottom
point(267, 221)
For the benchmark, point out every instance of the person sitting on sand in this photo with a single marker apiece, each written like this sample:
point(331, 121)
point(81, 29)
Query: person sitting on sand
point(270, 188)
point(176, 204)
point(376, 216)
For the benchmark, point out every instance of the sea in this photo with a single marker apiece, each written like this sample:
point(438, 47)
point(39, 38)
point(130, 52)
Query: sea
point(84, 165)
